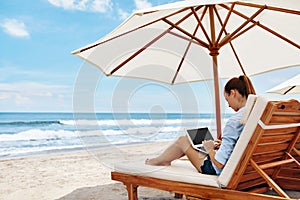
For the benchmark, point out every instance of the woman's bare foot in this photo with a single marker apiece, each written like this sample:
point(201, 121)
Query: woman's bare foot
point(156, 162)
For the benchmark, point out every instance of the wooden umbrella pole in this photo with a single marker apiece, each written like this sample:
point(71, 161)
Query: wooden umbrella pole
point(214, 51)
point(217, 98)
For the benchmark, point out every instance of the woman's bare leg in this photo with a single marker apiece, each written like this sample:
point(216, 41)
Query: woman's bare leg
point(179, 148)
point(173, 152)
point(195, 157)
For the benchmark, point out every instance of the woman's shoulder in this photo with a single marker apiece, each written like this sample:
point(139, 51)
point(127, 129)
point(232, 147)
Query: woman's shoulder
point(238, 115)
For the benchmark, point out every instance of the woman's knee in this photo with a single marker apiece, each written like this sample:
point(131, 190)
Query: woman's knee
point(183, 142)
point(182, 139)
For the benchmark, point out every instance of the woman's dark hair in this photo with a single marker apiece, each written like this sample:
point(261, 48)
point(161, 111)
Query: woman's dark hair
point(242, 84)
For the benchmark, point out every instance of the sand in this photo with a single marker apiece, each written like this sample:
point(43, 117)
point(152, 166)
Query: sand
point(75, 176)
point(81, 176)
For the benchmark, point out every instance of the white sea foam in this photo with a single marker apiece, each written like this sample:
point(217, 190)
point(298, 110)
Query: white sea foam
point(135, 122)
point(32, 150)
point(131, 131)
point(37, 134)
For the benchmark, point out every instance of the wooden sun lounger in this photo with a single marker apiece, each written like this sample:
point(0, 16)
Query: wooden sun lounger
point(266, 156)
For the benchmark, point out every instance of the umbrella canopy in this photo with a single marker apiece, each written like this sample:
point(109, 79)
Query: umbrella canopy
point(197, 40)
point(291, 86)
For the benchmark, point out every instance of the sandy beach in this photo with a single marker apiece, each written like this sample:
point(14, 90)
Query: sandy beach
point(81, 176)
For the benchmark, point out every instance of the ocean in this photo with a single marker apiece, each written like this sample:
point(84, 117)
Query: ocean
point(28, 134)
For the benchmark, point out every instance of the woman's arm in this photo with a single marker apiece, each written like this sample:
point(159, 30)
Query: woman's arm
point(212, 158)
point(209, 147)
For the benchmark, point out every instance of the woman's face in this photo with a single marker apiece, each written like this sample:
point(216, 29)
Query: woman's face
point(232, 99)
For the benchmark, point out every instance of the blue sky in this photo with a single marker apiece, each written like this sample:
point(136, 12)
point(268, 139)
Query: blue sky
point(38, 72)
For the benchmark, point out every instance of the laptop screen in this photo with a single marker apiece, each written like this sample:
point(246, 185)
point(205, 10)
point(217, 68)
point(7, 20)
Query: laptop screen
point(199, 135)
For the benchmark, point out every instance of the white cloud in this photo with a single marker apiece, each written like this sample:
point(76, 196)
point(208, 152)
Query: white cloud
point(139, 5)
point(22, 100)
point(123, 14)
point(101, 6)
point(31, 92)
point(15, 28)
point(142, 4)
point(13, 97)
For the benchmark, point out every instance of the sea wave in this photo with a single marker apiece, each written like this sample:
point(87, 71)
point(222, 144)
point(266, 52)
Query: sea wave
point(142, 130)
point(34, 134)
point(109, 122)
point(28, 123)
point(134, 122)
point(37, 134)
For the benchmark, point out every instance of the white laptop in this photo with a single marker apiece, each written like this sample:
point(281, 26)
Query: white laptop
point(197, 136)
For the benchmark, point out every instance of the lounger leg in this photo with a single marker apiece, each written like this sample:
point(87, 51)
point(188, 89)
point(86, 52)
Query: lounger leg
point(132, 191)
point(178, 196)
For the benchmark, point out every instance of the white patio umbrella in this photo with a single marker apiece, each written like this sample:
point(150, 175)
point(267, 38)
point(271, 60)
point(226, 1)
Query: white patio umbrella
point(291, 86)
point(198, 40)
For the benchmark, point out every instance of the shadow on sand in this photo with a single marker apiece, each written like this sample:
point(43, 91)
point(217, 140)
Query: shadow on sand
point(115, 191)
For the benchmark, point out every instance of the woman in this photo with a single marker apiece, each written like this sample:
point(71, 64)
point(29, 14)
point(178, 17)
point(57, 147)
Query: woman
point(236, 92)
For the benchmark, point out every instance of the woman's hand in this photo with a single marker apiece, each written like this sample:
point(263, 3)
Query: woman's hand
point(208, 145)
point(217, 143)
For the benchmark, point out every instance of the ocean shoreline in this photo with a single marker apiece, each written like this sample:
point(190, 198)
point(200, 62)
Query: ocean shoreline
point(23, 134)
point(60, 176)
point(74, 150)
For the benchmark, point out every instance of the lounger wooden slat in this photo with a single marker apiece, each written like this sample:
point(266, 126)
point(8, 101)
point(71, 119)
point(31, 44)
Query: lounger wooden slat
point(269, 159)
point(251, 185)
point(253, 175)
point(276, 164)
point(277, 138)
point(281, 119)
point(297, 146)
point(268, 179)
point(293, 172)
point(288, 183)
point(271, 148)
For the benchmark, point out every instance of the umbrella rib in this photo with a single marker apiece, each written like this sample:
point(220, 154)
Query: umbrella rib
point(140, 50)
point(280, 36)
point(183, 37)
point(289, 89)
point(149, 43)
point(183, 57)
point(200, 23)
point(225, 22)
point(202, 43)
point(266, 28)
point(127, 32)
point(244, 31)
point(250, 19)
point(230, 43)
point(269, 8)
point(186, 38)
